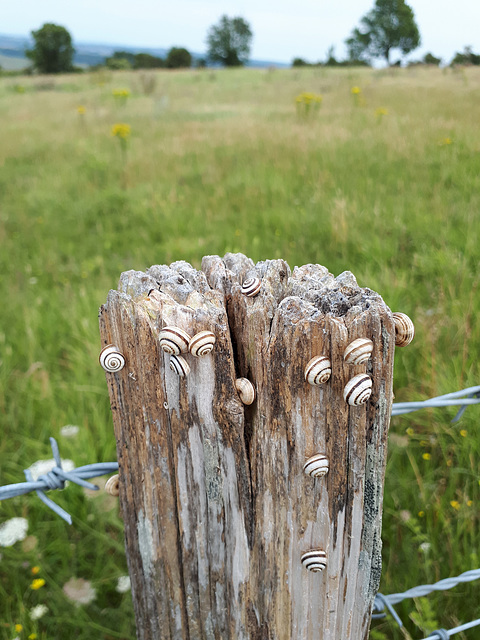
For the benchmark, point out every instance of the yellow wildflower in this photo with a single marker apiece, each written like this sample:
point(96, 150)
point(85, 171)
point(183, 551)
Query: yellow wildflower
point(38, 583)
point(18, 628)
point(35, 570)
point(455, 504)
point(121, 93)
point(449, 462)
point(410, 431)
point(81, 110)
point(426, 456)
point(421, 514)
point(381, 111)
point(355, 91)
point(121, 131)
point(445, 142)
point(32, 636)
point(464, 433)
point(469, 503)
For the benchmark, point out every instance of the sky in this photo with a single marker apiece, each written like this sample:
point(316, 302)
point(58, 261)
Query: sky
point(283, 29)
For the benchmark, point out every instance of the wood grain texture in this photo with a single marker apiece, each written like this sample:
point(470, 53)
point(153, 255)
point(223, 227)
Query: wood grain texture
point(217, 509)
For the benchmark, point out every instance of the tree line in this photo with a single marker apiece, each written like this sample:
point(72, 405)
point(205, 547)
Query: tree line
point(390, 25)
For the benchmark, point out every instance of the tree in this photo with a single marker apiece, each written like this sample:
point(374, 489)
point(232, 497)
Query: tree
point(389, 25)
point(53, 50)
point(229, 41)
point(147, 61)
point(177, 58)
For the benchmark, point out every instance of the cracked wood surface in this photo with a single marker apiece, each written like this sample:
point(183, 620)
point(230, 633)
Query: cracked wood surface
point(217, 509)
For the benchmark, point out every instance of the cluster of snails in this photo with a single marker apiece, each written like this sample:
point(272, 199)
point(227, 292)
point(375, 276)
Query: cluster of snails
point(176, 341)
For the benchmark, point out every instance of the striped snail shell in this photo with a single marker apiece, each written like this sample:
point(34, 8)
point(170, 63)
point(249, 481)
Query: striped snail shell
point(358, 351)
point(179, 366)
point(245, 389)
point(111, 359)
point(358, 390)
point(174, 340)
point(316, 466)
point(404, 329)
point(314, 560)
point(202, 343)
point(251, 287)
point(318, 370)
point(112, 485)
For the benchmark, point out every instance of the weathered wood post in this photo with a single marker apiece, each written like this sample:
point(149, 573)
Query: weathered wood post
point(217, 507)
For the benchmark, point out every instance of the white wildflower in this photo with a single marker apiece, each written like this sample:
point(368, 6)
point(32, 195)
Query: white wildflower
point(12, 531)
point(79, 591)
point(69, 430)
point(425, 547)
point(123, 584)
point(38, 611)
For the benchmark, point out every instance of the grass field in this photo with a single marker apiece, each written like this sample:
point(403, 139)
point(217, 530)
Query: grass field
point(385, 183)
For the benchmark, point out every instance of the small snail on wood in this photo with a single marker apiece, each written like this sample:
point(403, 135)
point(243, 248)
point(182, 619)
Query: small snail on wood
point(246, 390)
point(315, 560)
point(316, 466)
point(112, 485)
point(358, 390)
point(179, 366)
point(174, 340)
point(404, 329)
point(111, 359)
point(202, 343)
point(358, 351)
point(318, 370)
point(251, 287)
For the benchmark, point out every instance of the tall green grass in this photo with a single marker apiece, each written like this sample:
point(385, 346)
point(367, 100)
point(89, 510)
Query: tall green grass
point(220, 161)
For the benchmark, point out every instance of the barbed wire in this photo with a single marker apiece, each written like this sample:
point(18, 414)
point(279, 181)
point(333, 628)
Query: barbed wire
point(449, 399)
point(55, 479)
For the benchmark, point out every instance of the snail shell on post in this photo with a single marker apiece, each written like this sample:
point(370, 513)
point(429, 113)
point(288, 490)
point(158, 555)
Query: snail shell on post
point(111, 359)
point(251, 287)
point(358, 351)
point(358, 390)
point(246, 390)
point(316, 466)
point(404, 329)
point(315, 560)
point(202, 343)
point(112, 485)
point(318, 370)
point(179, 366)
point(174, 340)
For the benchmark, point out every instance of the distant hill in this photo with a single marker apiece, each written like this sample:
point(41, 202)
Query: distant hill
point(12, 53)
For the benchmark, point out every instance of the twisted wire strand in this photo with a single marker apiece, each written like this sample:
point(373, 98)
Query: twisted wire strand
point(472, 396)
point(55, 479)
point(442, 634)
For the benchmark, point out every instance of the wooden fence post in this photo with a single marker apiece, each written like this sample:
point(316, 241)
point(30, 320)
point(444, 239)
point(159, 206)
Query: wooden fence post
point(218, 510)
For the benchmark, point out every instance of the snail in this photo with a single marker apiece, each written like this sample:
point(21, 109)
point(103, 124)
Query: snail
point(358, 351)
point(358, 390)
point(251, 287)
point(245, 389)
point(314, 560)
point(316, 466)
point(111, 359)
point(318, 370)
point(202, 343)
point(404, 329)
point(174, 340)
point(112, 485)
point(179, 366)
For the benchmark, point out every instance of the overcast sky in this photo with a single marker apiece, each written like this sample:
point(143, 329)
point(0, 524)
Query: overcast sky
point(283, 29)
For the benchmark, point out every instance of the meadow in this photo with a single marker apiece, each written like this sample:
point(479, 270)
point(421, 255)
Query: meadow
point(384, 181)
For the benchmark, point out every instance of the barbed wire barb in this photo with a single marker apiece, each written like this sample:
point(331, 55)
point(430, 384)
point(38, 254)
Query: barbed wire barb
point(55, 479)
